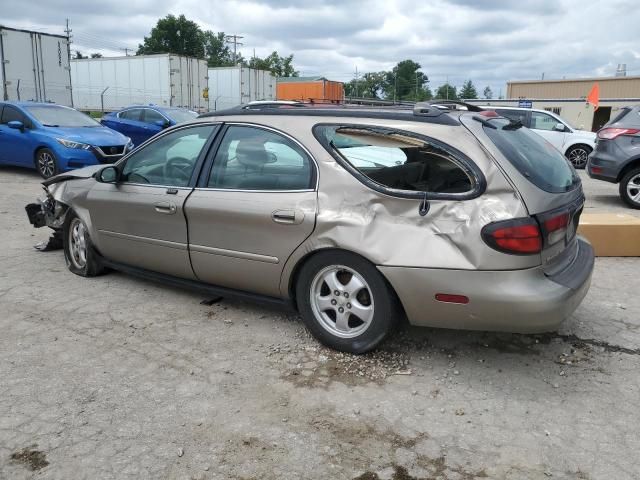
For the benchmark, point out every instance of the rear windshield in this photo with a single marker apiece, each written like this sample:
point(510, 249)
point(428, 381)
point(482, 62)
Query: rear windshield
point(51, 116)
point(532, 155)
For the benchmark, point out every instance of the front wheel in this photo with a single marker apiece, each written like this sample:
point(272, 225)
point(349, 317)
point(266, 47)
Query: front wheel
point(46, 163)
point(630, 188)
point(578, 155)
point(345, 302)
point(78, 249)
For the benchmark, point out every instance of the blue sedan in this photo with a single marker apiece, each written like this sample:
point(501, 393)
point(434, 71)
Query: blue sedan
point(55, 139)
point(140, 123)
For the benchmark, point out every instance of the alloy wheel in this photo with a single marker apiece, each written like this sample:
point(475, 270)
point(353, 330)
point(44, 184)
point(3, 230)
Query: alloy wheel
point(78, 243)
point(46, 164)
point(578, 157)
point(633, 188)
point(341, 301)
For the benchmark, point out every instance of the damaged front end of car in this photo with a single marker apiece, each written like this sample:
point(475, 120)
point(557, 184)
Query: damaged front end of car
point(49, 212)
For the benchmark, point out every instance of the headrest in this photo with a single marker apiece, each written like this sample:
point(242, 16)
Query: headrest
point(251, 153)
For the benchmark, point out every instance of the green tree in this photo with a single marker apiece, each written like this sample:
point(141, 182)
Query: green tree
point(217, 52)
point(78, 55)
point(96, 55)
point(446, 92)
point(277, 65)
point(488, 93)
point(174, 35)
point(468, 90)
point(370, 85)
point(406, 82)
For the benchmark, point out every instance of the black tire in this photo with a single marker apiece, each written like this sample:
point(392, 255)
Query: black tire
point(46, 163)
point(381, 297)
point(578, 155)
point(632, 177)
point(91, 266)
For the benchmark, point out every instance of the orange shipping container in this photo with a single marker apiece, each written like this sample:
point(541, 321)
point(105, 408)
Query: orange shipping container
point(317, 89)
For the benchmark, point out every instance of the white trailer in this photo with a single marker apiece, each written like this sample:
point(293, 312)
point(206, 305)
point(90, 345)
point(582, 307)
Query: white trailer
point(231, 86)
point(112, 83)
point(34, 66)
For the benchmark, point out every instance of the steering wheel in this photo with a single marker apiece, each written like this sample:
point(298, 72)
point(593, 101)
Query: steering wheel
point(137, 178)
point(178, 168)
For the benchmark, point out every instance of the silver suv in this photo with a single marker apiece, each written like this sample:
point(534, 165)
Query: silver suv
point(355, 217)
point(616, 158)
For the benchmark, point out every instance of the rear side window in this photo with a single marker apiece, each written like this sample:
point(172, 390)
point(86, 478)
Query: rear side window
point(533, 156)
point(133, 114)
point(400, 162)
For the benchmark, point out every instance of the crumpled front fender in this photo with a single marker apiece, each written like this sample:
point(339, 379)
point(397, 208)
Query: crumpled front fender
point(49, 211)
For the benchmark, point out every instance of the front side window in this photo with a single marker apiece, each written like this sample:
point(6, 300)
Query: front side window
point(542, 121)
point(533, 156)
point(399, 160)
point(151, 116)
point(251, 158)
point(10, 114)
point(133, 114)
point(169, 160)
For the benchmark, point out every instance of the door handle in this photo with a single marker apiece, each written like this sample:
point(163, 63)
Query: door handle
point(292, 217)
point(166, 207)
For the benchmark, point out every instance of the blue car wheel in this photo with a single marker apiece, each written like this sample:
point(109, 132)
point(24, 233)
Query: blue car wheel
point(46, 163)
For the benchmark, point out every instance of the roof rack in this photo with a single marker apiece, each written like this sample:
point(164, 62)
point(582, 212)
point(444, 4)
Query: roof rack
point(433, 108)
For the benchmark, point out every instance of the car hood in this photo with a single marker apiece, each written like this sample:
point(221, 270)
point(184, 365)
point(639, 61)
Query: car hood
point(98, 136)
point(86, 172)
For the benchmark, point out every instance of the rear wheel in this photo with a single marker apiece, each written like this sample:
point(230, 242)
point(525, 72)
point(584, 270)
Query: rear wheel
point(578, 155)
point(79, 255)
point(630, 188)
point(345, 302)
point(46, 163)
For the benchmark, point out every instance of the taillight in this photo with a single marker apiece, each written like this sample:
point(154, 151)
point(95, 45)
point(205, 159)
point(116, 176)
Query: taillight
point(520, 236)
point(555, 227)
point(611, 133)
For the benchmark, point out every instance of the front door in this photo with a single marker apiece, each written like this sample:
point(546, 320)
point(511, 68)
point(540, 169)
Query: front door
point(253, 208)
point(545, 126)
point(16, 146)
point(140, 221)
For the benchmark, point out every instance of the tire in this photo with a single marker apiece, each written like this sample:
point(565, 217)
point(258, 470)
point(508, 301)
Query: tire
point(79, 254)
point(345, 301)
point(630, 188)
point(578, 155)
point(46, 163)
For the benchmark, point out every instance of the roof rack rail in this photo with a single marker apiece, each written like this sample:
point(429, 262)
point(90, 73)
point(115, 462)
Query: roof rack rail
point(259, 104)
point(431, 107)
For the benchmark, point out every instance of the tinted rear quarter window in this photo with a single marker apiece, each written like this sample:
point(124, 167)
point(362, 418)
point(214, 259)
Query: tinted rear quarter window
point(533, 156)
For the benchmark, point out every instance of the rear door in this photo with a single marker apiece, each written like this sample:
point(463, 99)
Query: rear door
point(140, 221)
point(253, 207)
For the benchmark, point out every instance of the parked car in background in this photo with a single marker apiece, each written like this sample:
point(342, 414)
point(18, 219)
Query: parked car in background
point(471, 224)
point(616, 158)
point(140, 123)
point(575, 144)
point(54, 139)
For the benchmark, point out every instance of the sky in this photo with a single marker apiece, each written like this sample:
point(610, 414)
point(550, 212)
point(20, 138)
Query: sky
point(487, 41)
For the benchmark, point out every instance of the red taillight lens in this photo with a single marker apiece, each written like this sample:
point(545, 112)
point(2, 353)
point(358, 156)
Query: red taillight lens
point(488, 113)
point(611, 133)
point(556, 227)
point(518, 236)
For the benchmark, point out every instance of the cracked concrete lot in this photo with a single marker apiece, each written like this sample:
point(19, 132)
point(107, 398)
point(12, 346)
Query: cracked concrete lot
point(119, 378)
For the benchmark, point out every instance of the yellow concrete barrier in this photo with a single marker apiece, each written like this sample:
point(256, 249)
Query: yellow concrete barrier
point(612, 234)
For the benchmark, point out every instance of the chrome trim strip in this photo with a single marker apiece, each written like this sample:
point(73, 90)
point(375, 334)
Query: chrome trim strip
point(153, 241)
point(208, 189)
point(234, 254)
point(152, 185)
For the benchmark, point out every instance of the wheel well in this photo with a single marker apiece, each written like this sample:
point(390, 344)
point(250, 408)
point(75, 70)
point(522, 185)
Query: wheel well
point(293, 278)
point(629, 166)
point(35, 153)
point(577, 145)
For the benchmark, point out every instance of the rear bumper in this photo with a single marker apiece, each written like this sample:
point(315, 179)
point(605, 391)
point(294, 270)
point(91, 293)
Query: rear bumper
point(522, 301)
point(601, 166)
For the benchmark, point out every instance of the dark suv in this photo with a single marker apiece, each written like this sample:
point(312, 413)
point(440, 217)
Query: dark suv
point(616, 158)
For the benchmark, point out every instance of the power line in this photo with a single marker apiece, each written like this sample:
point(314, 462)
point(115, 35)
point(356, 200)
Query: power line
point(234, 40)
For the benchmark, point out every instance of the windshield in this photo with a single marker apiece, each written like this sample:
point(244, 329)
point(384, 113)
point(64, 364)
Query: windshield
point(532, 155)
point(180, 116)
point(61, 117)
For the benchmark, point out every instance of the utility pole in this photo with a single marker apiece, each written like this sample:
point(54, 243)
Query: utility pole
point(234, 40)
point(68, 32)
point(126, 51)
point(356, 81)
point(395, 86)
point(416, 99)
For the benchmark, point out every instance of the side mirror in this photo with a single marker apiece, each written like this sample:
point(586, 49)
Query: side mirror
point(109, 174)
point(161, 123)
point(559, 127)
point(18, 125)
